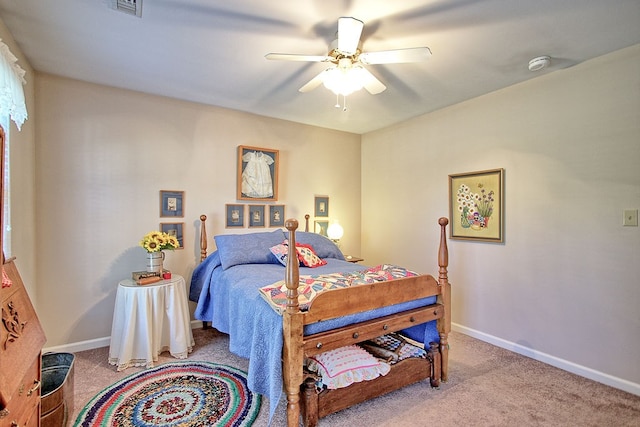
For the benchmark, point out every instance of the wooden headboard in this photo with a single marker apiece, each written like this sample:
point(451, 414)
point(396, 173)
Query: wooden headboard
point(203, 234)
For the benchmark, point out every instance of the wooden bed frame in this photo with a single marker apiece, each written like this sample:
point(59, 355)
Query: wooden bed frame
point(299, 385)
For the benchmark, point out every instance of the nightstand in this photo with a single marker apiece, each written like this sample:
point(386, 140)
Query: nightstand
point(353, 259)
point(150, 319)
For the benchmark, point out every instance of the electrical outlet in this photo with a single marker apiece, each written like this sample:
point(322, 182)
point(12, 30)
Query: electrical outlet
point(630, 217)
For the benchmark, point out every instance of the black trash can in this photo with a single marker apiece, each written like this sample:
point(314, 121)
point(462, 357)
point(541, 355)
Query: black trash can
point(57, 389)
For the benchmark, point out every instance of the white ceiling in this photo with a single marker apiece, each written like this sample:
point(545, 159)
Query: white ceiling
point(212, 52)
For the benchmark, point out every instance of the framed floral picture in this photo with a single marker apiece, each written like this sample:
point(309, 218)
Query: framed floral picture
point(235, 216)
point(476, 205)
point(257, 173)
point(171, 203)
point(174, 229)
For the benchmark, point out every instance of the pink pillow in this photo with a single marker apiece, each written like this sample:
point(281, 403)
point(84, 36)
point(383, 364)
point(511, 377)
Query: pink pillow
point(306, 254)
point(280, 252)
point(308, 257)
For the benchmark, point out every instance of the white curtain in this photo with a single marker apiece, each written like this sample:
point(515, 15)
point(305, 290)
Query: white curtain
point(11, 81)
point(6, 236)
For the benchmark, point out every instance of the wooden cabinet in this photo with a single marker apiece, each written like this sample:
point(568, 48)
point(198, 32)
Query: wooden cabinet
point(21, 341)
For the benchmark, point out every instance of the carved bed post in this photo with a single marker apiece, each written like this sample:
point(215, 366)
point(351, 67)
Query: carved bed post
point(292, 354)
point(203, 238)
point(203, 252)
point(436, 363)
point(306, 222)
point(444, 324)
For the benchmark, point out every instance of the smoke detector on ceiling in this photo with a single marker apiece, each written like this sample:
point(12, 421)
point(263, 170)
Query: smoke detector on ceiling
point(131, 7)
point(537, 64)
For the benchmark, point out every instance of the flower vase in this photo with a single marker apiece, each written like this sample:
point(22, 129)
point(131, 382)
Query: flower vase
point(155, 261)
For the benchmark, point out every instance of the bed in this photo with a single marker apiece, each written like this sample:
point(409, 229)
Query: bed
point(244, 290)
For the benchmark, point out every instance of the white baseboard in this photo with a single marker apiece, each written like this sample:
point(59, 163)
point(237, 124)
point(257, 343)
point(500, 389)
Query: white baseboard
point(78, 346)
point(565, 365)
point(95, 343)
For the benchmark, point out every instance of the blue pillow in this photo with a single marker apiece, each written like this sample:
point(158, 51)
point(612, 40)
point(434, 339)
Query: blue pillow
point(322, 246)
point(252, 248)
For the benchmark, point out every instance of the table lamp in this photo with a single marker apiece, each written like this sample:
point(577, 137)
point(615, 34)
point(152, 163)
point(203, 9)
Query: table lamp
point(335, 232)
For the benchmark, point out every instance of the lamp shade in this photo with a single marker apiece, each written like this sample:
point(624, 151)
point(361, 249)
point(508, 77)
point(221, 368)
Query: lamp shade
point(344, 78)
point(344, 81)
point(335, 231)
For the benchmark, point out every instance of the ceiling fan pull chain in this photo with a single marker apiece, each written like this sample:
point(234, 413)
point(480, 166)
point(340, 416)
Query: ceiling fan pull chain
point(337, 100)
point(344, 99)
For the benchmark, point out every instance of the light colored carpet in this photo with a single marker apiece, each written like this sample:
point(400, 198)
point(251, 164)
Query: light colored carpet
point(488, 386)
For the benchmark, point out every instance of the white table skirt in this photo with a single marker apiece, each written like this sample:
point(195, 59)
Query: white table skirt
point(150, 319)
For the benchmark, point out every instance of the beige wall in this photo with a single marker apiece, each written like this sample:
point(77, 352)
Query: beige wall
point(104, 154)
point(23, 177)
point(564, 285)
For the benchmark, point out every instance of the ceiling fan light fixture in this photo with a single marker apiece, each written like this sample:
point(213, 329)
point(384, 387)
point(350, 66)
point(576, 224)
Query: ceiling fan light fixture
point(343, 81)
point(347, 73)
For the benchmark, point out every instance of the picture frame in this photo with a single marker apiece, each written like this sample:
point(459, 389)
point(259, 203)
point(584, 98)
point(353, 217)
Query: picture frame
point(175, 229)
point(257, 173)
point(256, 216)
point(476, 205)
point(320, 227)
point(234, 216)
point(276, 215)
point(171, 203)
point(321, 206)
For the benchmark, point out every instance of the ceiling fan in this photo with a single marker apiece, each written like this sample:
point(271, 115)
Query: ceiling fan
point(347, 73)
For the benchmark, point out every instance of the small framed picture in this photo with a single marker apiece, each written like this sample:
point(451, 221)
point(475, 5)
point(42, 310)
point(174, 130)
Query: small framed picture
point(174, 229)
point(171, 203)
point(235, 216)
point(320, 227)
point(257, 173)
point(256, 216)
point(322, 206)
point(476, 205)
point(276, 216)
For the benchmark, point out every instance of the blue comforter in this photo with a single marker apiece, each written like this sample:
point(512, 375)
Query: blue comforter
point(230, 300)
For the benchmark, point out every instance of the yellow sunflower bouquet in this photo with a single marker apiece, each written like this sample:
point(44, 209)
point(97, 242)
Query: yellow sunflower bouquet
point(156, 241)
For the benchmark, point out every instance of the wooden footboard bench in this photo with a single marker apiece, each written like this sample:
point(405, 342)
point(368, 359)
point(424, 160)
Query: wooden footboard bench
point(341, 302)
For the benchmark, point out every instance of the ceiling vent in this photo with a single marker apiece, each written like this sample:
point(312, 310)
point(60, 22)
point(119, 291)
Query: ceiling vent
point(132, 7)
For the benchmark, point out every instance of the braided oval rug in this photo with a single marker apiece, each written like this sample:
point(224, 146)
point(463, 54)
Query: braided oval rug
point(186, 394)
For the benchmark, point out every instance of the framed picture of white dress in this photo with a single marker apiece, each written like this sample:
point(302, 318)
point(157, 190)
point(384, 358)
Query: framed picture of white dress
point(257, 173)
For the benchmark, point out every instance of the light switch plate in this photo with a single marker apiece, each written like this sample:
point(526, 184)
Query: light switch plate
point(630, 217)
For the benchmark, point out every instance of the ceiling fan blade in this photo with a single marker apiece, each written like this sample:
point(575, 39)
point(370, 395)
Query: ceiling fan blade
point(371, 83)
point(295, 57)
point(397, 56)
point(349, 31)
point(313, 83)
